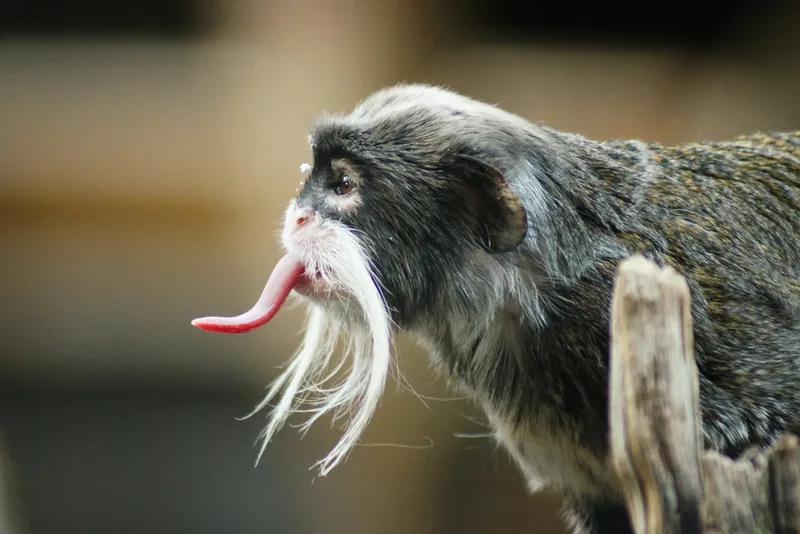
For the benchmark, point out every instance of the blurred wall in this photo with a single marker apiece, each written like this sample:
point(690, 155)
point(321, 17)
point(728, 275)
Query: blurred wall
point(142, 178)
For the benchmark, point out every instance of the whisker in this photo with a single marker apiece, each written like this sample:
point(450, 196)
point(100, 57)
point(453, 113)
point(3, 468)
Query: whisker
point(400, 445)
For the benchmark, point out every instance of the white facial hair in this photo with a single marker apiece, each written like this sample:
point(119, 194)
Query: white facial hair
point(336, 253)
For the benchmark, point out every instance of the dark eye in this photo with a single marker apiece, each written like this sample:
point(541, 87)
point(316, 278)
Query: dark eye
point(344, 185)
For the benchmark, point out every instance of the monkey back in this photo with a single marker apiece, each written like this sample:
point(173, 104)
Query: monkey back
point(726, 215)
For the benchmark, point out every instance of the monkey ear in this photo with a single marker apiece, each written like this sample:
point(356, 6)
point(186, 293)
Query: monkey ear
point(502, 219)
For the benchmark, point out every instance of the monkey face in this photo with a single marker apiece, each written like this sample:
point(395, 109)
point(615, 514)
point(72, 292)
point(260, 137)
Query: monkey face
point(412, 199)
point(400, 195)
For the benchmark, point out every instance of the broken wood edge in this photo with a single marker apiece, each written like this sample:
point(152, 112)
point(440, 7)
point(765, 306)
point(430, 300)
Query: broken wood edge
point(656, 439)
point(784, 485)
point(669, 484)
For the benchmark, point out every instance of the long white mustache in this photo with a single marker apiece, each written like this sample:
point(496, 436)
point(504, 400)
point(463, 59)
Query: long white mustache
point(338, 256)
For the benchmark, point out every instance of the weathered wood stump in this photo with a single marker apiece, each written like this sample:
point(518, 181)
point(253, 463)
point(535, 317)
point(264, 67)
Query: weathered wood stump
point(671, 485)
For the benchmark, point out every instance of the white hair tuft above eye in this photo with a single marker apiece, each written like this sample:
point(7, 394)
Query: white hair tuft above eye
point(305, 168)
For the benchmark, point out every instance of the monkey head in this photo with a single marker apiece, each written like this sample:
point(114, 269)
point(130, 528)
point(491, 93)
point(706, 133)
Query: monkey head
point(403, 193)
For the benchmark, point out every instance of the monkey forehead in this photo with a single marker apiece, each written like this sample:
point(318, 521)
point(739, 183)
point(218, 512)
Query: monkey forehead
point(414, 119)
point(350, 137)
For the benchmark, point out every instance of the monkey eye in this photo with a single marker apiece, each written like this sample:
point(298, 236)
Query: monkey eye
point(344, 185)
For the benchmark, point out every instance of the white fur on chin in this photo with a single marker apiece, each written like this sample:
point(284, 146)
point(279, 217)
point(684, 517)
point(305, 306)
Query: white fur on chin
point(336, 253)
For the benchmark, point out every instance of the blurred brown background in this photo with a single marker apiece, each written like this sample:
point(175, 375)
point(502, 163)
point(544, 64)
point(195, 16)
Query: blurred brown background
point(147, 151)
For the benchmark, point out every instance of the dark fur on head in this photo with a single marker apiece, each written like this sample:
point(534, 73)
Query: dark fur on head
point(496, 242)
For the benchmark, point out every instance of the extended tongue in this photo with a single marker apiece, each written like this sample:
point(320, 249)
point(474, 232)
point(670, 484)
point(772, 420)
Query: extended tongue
point(283, 278)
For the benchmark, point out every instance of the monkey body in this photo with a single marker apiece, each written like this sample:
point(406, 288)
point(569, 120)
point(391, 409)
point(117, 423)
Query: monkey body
point(727, 217)
point(495, 243)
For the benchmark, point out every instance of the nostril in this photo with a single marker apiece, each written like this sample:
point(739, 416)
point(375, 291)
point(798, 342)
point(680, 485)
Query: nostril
point(303, 217)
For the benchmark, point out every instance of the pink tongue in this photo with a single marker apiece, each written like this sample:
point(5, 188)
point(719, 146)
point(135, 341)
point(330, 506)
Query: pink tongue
point(283, 278)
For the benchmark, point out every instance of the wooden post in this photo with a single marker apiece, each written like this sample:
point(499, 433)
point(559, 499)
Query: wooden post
point(670, 485)
point(655, 417)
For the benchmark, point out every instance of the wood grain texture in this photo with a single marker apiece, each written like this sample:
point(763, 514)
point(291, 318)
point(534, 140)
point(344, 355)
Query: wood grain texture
point(654, 390)
point(671, 485)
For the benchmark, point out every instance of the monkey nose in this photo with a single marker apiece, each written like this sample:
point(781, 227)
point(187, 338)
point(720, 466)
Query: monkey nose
point(302, 217)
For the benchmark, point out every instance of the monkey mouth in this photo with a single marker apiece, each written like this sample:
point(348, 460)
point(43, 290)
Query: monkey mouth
point(314, 285)
point(289, 273)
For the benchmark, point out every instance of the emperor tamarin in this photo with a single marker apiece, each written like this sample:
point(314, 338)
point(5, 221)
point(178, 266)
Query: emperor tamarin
point(495, 242)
